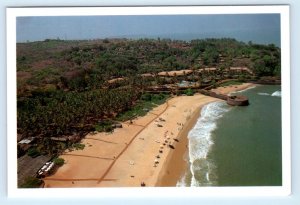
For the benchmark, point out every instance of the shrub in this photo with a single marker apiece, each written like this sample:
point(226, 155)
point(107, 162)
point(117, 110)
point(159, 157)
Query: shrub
point(232, 82)
point(33, 152)
point(104, 126)
point(59, 161)
point(146, 97)
point(31, 182)
point(78, 146)
point(189, 92)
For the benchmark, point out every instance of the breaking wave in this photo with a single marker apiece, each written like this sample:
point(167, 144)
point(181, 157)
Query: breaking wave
point(182, 181)
point(263, 93)
point(277, 93)
point(203, 170)
point(274, 94)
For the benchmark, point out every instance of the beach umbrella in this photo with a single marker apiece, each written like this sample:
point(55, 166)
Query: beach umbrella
point(156, 161)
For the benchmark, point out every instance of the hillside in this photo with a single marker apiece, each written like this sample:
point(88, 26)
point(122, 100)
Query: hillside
point(64, 63)
point(69, 88)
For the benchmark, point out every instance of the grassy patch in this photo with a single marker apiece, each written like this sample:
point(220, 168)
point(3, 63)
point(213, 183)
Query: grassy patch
point(104, 126)
point(78, 146)
point(232, 82)
point(189, 92)
point(59, 161)
point(146, 103)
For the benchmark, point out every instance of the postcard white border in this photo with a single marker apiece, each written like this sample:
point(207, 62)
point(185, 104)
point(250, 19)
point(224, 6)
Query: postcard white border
point(177, 192)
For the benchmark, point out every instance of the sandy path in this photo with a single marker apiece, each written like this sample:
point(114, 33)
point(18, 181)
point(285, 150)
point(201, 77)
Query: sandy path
point(82, 167)
point(144, 124)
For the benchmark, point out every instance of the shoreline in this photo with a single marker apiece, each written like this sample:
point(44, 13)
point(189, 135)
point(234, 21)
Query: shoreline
point(126, 157)
point(168, 178)
point(226, 90)
point(180, 157)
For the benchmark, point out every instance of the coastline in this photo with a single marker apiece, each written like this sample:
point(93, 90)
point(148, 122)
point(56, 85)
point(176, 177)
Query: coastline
point(126, 157)
point(176, 164)
point(178, 161)
point(233, 88)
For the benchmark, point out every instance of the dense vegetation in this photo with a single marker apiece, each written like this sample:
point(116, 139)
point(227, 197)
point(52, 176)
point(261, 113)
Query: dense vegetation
point(85, 65)
point(63, 86)
point(61, 112)
point(31, 182)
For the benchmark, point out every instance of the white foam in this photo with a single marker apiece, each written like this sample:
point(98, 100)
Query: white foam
point(263, 93)
point(207, 176)
point(200, 142)
point(203, 173)
point(182, 181)
point(277, 93)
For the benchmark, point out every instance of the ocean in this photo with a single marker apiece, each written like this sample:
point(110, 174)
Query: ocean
point(237, 146)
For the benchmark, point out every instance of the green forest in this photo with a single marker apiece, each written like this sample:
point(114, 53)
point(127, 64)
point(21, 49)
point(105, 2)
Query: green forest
point(63, 87)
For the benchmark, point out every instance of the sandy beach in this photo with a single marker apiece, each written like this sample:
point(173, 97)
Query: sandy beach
point(151, 150)
point(232, 88)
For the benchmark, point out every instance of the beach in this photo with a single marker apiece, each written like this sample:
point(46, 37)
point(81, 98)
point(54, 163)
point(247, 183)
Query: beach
point(232, 88)
point(150, 150)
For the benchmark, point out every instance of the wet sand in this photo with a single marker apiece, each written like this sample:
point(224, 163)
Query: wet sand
point(176, 164)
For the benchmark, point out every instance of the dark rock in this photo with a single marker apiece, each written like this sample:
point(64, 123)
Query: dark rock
point(237, 100)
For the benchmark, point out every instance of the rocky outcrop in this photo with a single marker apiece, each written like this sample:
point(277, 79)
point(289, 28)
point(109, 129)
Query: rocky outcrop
point(237, 100)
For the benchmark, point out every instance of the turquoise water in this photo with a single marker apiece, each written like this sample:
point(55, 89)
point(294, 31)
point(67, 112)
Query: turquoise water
point(237, 146)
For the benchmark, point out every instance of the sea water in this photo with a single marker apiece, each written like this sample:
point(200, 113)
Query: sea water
point(237, 146)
